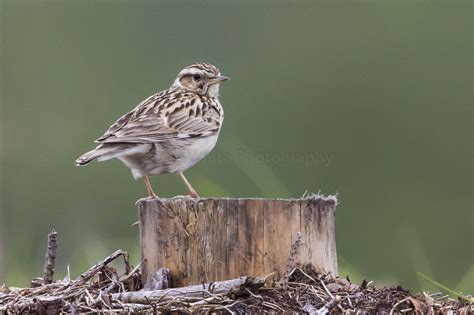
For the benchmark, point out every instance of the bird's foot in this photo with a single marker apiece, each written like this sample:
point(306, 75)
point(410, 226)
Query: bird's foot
point(149, 198)
point(153, 196)
point(194, 194)
point(185, 196)
point(180, 196)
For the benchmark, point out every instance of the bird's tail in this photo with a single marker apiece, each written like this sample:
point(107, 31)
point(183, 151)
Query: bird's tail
point(92, 155)
point(104, 152)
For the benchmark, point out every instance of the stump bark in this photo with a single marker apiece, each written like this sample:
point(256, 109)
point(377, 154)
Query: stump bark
point(215, 239)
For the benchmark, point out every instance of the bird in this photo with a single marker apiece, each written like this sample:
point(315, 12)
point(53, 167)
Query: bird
point(168, 132)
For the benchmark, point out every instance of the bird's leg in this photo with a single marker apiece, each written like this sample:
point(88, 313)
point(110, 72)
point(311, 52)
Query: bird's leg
point(192, 191)
point(151, 193)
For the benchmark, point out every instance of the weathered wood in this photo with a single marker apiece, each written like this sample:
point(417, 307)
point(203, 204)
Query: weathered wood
point(214, 239)
point(234, 287)
point(50, 257)
point(160, 280)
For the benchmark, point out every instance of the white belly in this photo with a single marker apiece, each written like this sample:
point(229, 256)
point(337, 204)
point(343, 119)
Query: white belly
point(172, 156)
point(191, 153)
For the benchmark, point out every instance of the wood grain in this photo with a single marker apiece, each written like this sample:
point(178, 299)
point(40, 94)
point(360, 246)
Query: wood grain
point(216, 239)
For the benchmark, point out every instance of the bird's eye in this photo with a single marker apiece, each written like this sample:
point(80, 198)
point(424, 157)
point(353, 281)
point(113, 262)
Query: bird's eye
point(197, 77)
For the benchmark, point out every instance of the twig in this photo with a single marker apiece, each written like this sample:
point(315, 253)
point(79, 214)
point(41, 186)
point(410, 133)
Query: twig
point(95, 269)
point(221, 287)
point(327, 291)
point(50, 257)
point(394, 308)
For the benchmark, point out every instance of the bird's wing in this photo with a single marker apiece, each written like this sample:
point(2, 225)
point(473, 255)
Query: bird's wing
point(166, 115)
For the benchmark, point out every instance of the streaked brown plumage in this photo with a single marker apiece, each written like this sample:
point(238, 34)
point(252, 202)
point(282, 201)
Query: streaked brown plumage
point(169, 131)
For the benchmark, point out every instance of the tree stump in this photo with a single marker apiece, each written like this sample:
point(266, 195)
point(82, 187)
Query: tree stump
point(215, 239)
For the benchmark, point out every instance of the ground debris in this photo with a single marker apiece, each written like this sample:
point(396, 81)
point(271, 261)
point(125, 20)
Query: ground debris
point(101, 289)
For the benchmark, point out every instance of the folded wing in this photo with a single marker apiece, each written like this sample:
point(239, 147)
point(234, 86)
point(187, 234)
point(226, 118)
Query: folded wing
point(165, 116)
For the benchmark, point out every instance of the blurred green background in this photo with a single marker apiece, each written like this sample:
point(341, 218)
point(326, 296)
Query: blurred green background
point(368, 99)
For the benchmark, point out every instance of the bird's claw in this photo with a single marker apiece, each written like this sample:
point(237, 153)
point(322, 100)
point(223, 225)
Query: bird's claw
point(149, 198)
point(193, 194)
point(187, 196)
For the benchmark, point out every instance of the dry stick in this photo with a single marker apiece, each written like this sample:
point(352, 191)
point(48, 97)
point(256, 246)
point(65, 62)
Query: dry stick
point(220, 287)
point(94, 269)
point(48, 271)
point(398, 303)
point(126, 261)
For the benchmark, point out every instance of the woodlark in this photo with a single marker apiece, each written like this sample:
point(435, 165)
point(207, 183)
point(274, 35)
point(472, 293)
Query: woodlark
point(169, 131)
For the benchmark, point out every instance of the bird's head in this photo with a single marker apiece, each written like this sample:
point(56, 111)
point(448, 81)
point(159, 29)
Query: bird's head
point(201, 78)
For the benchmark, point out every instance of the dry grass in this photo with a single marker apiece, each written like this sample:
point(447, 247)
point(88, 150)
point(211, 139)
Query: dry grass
point(303, 290)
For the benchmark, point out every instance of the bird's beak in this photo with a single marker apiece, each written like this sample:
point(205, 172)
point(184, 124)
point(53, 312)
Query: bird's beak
point(218, 79)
